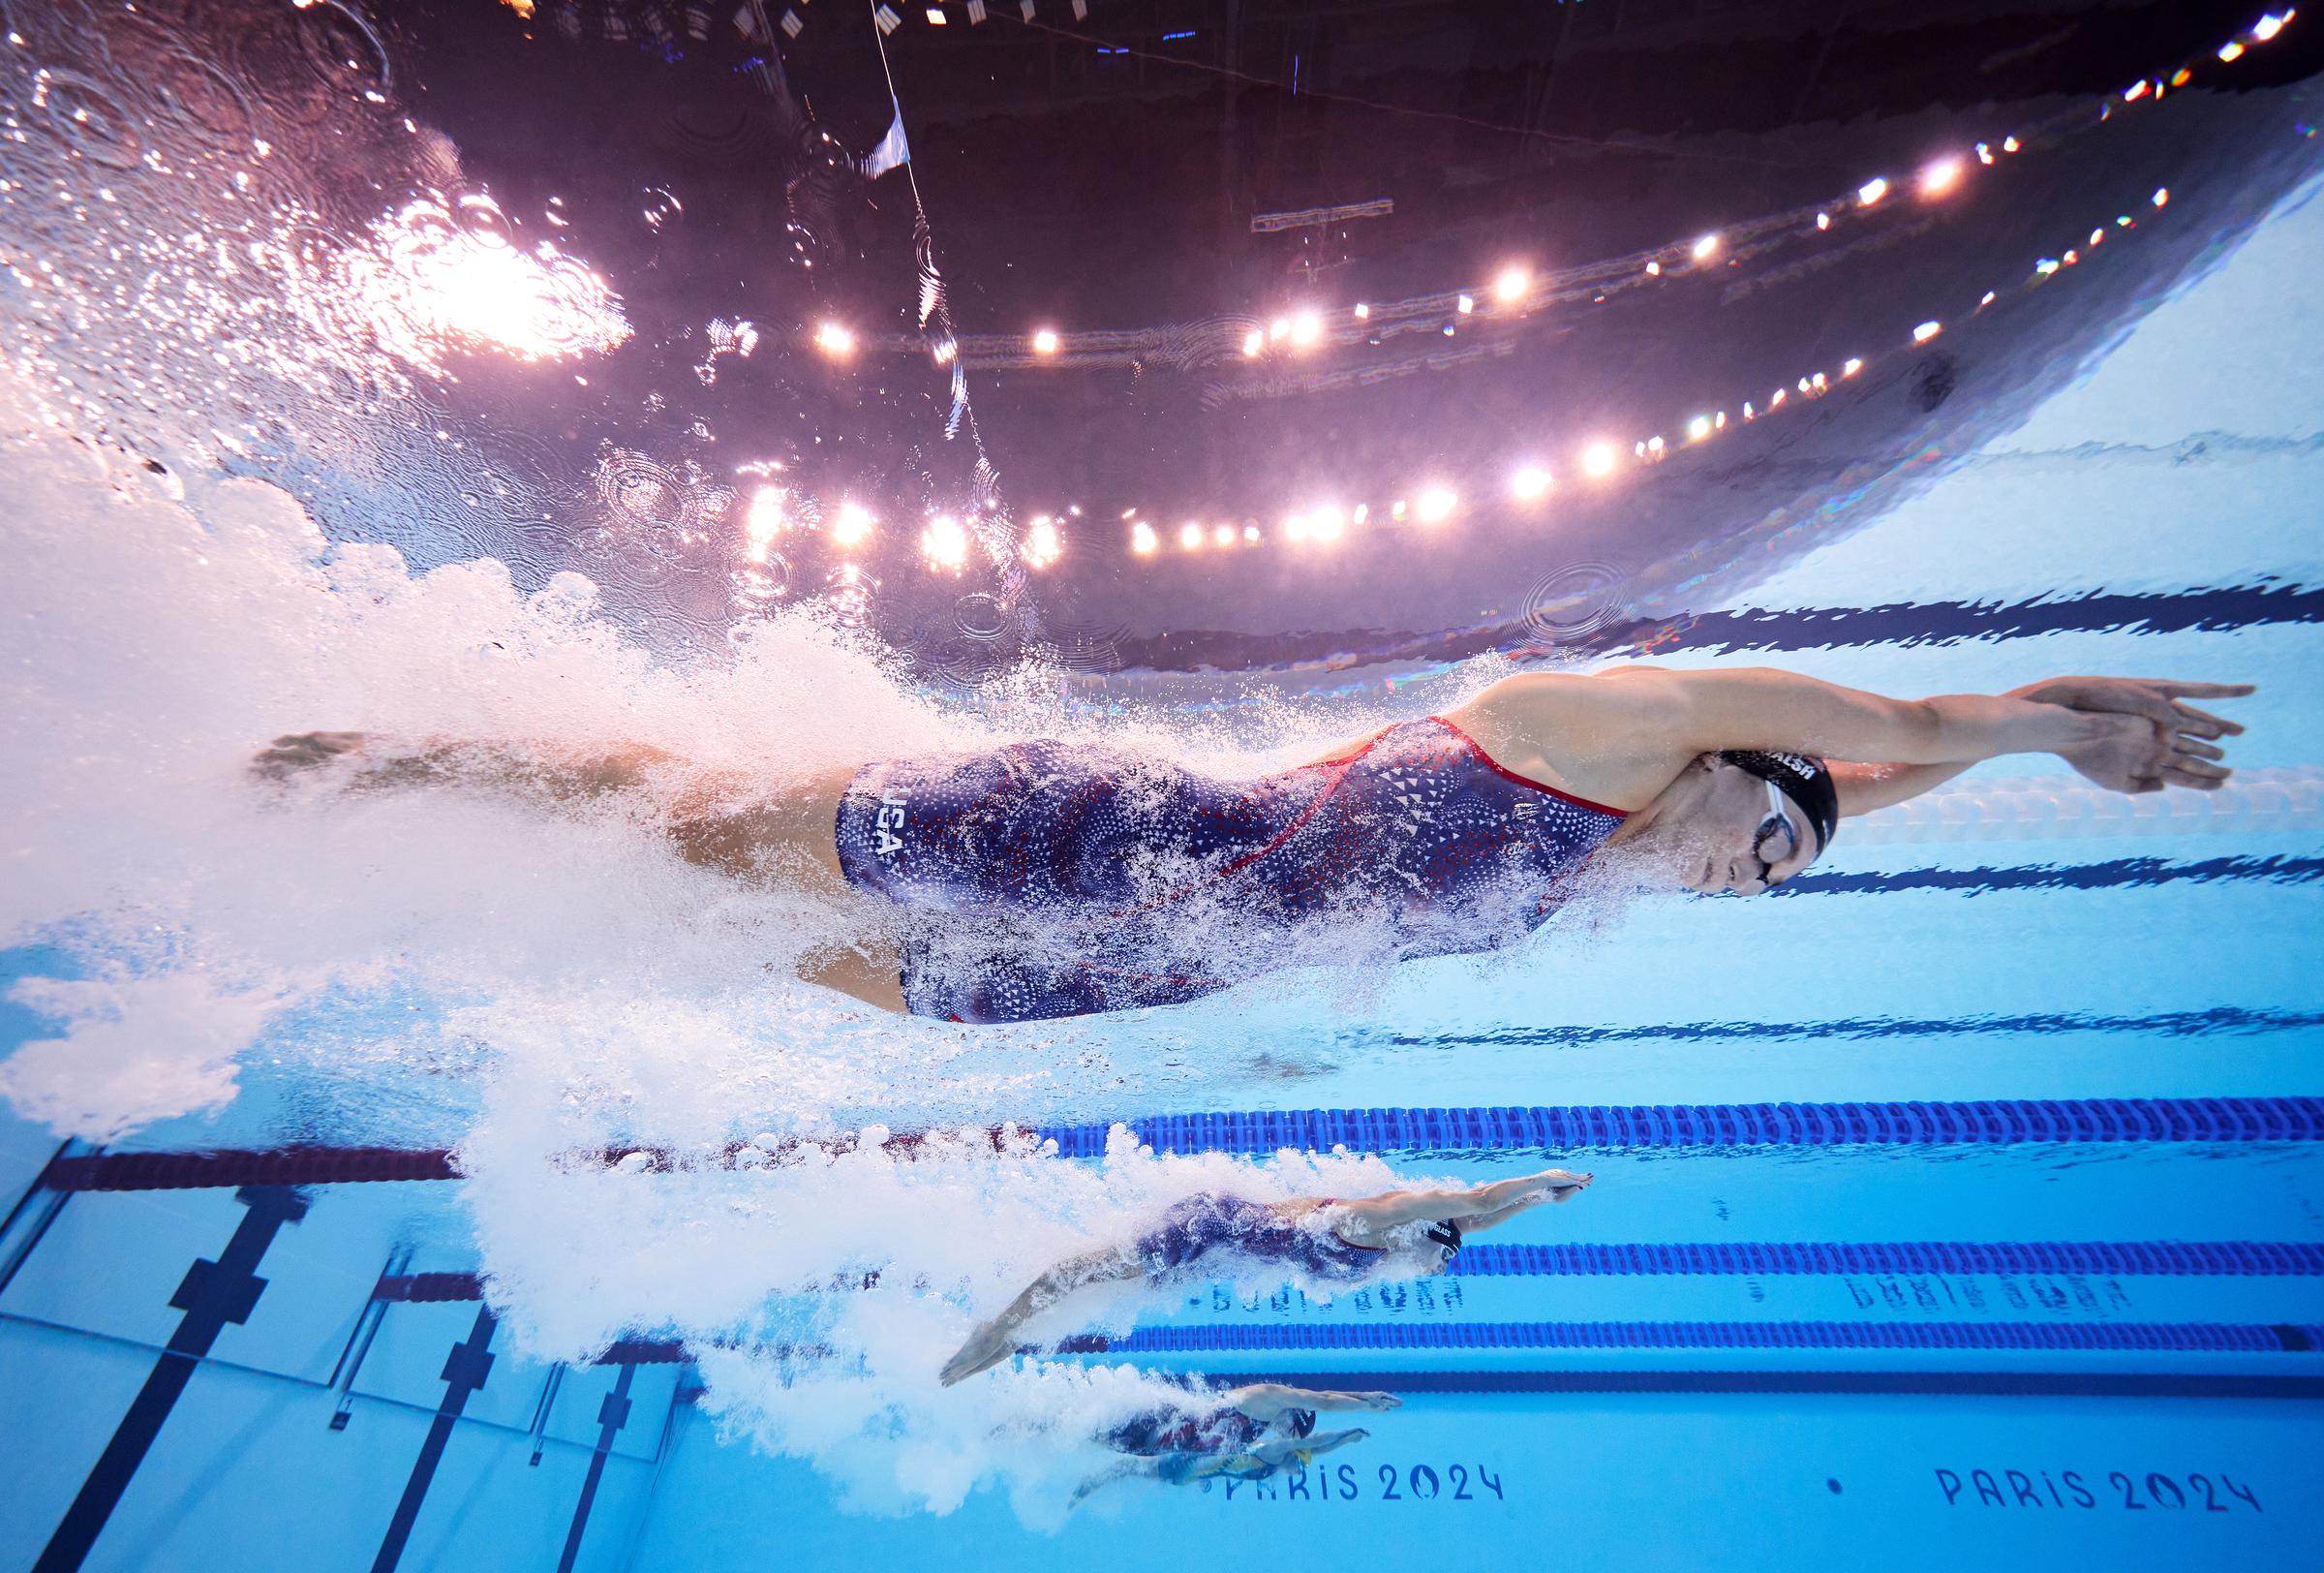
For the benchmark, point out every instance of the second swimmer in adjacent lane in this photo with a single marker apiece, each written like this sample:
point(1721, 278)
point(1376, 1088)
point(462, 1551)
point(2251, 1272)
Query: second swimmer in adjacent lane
point(1397, 1234)
point(1244, 1433)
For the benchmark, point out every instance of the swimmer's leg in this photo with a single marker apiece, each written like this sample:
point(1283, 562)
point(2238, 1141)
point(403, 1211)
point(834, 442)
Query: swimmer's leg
point(1126, 1469)
point(990, 1345)
point(723, 821)
point(740, 829)
point(719, 820)
point(381, 764)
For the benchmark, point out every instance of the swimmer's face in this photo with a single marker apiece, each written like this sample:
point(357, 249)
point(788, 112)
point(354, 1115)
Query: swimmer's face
point(1737, 832)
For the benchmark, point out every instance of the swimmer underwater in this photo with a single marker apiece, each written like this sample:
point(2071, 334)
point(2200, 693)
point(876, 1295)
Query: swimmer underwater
point(1407, 1233)
point(1250, 1433)
point(1046, 879)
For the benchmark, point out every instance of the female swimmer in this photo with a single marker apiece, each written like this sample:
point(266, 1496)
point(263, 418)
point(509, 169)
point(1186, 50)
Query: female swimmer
point(1048, 878)
point(1397, 1234)
point(1248, 1433)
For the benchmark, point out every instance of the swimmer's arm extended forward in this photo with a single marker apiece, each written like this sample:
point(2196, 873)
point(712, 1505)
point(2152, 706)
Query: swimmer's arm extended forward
point(2189, 731)
point(1621, 735)
point(1268, 1401)
point(1486, 1204)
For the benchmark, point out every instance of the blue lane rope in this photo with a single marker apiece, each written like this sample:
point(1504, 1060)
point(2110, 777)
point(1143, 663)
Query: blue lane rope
point(1603, 1128)
point(2085, 1385)
point(2210, 1337)
point(1998, 1122)
point(1774, 1258)
point(2150, 1259)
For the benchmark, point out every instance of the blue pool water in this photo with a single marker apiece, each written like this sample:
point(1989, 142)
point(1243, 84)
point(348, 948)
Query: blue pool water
point(1960, 1206)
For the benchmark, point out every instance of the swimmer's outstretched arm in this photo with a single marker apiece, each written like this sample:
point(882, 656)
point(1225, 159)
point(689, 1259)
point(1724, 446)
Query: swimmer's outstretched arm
point(2192, 760)
point(1489, 1203)
point(1268, 1401)
point(1280, 1450)
point(1622, 735)
point(992, 1344)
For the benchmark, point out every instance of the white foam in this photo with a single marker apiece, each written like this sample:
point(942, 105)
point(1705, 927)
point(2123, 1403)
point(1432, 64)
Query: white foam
point(585, 987)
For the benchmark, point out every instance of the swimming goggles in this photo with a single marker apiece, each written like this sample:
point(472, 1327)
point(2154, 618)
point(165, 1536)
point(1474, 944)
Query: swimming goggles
point(1779, 818)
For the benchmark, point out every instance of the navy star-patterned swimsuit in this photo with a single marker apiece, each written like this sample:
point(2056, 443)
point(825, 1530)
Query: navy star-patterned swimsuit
point(1098, 880)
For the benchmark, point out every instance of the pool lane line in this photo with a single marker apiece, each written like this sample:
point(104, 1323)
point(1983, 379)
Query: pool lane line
point(2114, 874)
point(2195, 609)
point(2215, 1020)
point(612, 1415)
point(2206, 1338)
point(213, 1295)
point(2087, 1384)
point(2201, 609)
point(1598, 1127)
point(464, 1372)
point(1764, 1258)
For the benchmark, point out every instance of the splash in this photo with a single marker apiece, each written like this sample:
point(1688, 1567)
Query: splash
point(441, 276)
point(522, 982)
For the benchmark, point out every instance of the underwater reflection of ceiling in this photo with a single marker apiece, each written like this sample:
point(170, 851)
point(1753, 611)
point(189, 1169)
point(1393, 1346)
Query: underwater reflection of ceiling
point(228, 239)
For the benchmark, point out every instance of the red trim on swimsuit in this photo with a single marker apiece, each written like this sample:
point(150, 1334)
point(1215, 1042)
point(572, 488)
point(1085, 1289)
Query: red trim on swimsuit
point(1488, 762)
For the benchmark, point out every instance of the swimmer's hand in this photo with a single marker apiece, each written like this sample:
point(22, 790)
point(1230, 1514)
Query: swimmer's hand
point(1562, 1185)
point(1382, 1402)
point(299, 752)
point(2173, 749)
point(988, 1346)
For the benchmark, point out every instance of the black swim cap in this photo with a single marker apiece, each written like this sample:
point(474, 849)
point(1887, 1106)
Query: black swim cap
point(1804, 778)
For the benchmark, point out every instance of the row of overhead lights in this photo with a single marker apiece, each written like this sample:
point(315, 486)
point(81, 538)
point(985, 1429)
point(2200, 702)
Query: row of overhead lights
point(1600, 460)
point(1514, 289)
point(777, 512)
point(946, 542)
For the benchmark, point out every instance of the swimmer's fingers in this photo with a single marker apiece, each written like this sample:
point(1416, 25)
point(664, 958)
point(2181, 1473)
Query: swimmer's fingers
point(1382, 1402)
point(2194, 723)
point(2199, 691)
point(2196, 773)
point(2187, 749)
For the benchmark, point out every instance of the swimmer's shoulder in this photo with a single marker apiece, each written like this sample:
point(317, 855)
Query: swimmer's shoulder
point(1605, 736)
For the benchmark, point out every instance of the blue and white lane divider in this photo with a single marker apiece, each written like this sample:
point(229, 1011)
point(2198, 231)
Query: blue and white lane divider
point(1596, 1127)
point(2081, 1384)
point(1754, 1258)
point(2181, 1338)
point(1602, 1127)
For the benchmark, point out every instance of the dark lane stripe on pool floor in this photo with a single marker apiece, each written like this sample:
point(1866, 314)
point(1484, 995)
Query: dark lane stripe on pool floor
point(2115, 874)
point(2212, 1022)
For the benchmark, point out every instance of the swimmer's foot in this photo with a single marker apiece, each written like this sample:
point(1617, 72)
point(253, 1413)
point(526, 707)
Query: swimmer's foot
point(988, 1346)
point(299, 753)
